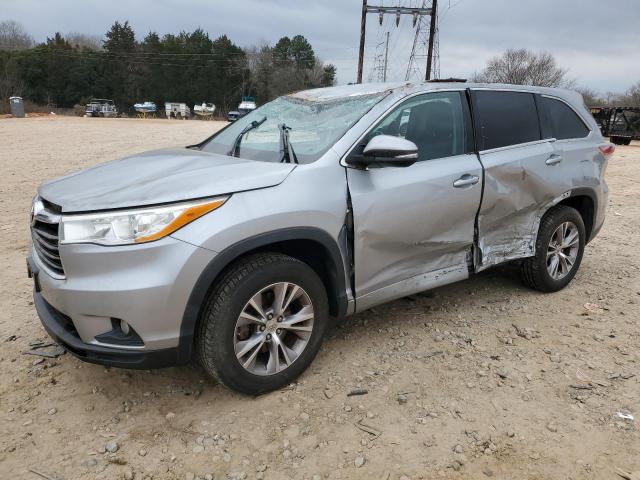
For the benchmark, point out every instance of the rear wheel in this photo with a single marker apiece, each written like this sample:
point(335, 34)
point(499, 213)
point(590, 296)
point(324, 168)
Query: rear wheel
point(263, 323)
point(559, 249)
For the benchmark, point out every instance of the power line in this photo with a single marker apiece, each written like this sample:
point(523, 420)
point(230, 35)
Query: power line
point(416, 12)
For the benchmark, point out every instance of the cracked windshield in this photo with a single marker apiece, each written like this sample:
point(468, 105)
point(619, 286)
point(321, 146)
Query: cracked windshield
point(312, 127)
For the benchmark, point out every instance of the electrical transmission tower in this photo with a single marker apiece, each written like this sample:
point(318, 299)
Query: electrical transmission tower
point(418, 13)
point(380, 62)
point(425, 46)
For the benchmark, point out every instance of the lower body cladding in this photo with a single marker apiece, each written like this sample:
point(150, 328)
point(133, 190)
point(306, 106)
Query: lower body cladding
point(121, 306)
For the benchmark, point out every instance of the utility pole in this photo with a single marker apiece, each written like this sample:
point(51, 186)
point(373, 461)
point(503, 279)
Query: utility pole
point(386, 58)
point(363, 27)
point(432, 32)
point(415, 12)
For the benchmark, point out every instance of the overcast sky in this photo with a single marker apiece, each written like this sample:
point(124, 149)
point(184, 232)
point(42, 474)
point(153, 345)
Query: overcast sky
point(598, 41)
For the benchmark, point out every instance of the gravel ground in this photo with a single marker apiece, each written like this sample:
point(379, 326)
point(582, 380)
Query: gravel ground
point(481, 379)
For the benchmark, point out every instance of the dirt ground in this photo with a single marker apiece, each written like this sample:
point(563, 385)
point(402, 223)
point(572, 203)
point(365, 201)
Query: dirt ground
point(481, 379)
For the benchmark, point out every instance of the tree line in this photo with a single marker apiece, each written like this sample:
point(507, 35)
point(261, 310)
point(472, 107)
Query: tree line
point(190, 67)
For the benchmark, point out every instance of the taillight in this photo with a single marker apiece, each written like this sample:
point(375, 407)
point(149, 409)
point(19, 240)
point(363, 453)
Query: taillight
point(607, 149)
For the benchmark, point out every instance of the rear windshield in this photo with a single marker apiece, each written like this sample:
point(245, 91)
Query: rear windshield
point(314, 127)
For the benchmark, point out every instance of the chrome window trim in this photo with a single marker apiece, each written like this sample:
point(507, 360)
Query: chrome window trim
point(517, 145)
point(343, 159)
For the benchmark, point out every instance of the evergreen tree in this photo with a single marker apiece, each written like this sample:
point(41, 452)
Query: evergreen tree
point(186, 67)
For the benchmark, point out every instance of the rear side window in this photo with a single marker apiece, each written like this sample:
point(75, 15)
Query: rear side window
point(560, 121)
point(506, 118)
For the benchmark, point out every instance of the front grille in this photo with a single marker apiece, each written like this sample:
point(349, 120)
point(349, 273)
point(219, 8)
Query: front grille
point(44, 233)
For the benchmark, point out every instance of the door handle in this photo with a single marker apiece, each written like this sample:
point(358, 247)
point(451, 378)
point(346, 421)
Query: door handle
point(466, 180)
point(554, 159)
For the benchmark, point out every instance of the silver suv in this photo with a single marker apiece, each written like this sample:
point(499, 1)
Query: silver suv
point(238, 251)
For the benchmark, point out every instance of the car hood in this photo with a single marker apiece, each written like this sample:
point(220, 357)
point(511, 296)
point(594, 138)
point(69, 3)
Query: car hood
point(160, 176)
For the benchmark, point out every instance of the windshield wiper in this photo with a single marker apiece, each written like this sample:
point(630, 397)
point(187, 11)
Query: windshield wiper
point(286, 149)
point(235, 150)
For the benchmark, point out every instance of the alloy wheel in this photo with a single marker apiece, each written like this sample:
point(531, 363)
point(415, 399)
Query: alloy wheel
point(562, 251)
point(273, 328)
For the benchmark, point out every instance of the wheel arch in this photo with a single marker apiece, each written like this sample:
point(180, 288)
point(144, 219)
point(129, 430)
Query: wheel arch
point(585, 202)
point(312, 246)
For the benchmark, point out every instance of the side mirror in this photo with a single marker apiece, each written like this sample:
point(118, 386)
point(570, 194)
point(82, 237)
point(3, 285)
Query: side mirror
point(387, 151)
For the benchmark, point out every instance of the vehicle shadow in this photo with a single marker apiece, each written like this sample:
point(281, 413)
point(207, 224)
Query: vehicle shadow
point(489, 287)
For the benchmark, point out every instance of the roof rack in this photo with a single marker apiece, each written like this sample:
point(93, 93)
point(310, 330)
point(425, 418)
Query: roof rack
point(447, 80)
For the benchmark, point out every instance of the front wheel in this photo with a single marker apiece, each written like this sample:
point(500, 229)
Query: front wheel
point(263, 323)
point(559, 249)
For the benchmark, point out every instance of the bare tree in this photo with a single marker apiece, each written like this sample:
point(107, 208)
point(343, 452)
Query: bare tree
point(13, 36)
point(524, 67)
point(591, 97)
point(631, 97)
point(84, 40)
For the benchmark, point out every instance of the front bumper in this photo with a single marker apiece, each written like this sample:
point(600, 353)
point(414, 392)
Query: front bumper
point(147, 286)
point(60, 329)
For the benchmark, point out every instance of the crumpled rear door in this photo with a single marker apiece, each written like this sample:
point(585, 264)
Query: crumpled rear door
point(524, 175)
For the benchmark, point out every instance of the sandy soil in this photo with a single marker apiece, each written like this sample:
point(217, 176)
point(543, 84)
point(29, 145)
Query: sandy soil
point(482, 379)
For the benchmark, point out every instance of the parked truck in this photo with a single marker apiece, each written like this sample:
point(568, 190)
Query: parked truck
point(248, 104)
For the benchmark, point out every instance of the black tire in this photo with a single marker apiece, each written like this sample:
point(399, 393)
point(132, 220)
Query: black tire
point(215, 334)
point(620, 140)
point(534, 269)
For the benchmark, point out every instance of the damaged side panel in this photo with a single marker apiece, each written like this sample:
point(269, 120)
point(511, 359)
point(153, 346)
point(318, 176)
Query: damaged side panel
point(520, 186)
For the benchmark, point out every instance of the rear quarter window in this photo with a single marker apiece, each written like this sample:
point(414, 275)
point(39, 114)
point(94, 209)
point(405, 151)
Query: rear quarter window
point(560, 121)
point(506, 118)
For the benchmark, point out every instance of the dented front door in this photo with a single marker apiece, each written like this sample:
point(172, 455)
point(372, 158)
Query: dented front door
point(413, 221)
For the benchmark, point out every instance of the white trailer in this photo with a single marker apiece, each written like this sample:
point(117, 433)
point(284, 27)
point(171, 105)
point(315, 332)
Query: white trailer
point(177, 110)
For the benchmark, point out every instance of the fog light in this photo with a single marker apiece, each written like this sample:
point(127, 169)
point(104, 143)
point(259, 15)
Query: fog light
point(124, 326)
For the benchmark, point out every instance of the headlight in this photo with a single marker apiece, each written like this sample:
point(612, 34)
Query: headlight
point(126, 227)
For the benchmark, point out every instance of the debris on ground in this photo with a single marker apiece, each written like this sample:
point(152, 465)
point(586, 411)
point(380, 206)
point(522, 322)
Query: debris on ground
point(593, 308)
point(624, 414)
point(41, 474)
point(628, 475)
point(357, 391)
point(47, 350)
point(368, 429)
